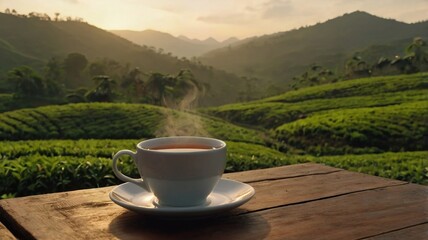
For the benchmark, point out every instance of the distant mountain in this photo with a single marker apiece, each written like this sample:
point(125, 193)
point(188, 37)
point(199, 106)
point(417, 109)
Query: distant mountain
point(210, 41)
point(230, 40)
point(32, 42)
point(181, 46)
point(194, 40)
point(276, 58)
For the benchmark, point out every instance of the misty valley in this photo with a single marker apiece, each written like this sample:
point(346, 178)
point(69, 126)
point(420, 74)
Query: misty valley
point(350, 92)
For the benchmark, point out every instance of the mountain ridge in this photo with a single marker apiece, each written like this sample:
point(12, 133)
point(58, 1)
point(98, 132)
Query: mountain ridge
point(181, 46)
point(271, 59)
point(276, 58)
point(32, 42)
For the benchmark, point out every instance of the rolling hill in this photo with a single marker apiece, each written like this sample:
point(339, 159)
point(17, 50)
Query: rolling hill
point(68, 147)
point(276, 58)
point(373, 125)
point(356, 116)
point(32, 41)
point(115, 121)
point(180, 46)
point(273, 59)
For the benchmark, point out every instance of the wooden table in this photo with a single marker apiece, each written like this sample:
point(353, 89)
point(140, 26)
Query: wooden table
point(305, 201)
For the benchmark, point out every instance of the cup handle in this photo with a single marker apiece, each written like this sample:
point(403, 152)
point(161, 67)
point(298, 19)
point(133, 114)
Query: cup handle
point(123, 177)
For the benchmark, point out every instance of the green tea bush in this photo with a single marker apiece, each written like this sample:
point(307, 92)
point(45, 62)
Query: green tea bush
point(104, 148)
point(40, 171)
point(37, 174)
point(28, 167)
point(74, 121)
point(243, 157)
point(273, 114)
point(392, 128)
point(373, 115)
point(405, 166)
point(115, 121)
point(356, 87)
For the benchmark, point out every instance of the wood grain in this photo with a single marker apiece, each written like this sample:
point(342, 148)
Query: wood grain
point(415, 232)
point(351, 216)
point(289, 171)
point(290, 204)
point(5, 234)
point(312, 187)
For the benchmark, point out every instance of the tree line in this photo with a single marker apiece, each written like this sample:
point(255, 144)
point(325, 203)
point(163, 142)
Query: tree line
point(75, 79)
point(414, 59)
point(43, 16)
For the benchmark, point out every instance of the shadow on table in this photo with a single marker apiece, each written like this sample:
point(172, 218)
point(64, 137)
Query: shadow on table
point(130, 225)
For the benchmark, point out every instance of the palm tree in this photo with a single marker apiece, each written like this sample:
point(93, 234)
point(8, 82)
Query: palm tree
point(133, 81)
point(103, 92)
point(416, 53)
point(356, 67)
point(179, 91)
point(26, 81)
point(404, 65)
point(156, 88)
point(187, 90)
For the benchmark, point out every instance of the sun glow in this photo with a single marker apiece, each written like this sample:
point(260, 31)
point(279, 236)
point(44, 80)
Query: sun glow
point(220, 19)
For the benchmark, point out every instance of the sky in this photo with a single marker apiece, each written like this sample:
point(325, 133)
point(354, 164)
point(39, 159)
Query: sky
point(220, 19)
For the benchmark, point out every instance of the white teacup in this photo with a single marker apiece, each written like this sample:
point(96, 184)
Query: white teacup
point(180, 171)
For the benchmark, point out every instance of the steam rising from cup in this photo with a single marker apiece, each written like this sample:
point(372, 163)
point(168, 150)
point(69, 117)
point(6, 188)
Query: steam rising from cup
point(183, 122)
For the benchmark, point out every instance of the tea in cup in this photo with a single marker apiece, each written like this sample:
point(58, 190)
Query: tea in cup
point(179, 171)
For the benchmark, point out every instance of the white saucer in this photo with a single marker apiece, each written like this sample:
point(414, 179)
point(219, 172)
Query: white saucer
point(227, 194)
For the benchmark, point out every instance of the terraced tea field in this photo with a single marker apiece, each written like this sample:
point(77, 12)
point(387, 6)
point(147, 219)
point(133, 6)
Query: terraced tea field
point(273, 114)
point(361, 130)
point(368, 115)
point(114, 121)
point(374, 125)
point(43, 166)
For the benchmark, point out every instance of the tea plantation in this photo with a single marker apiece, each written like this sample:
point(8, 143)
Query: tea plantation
point(43, 166)
point(114, 121)
point(373, 125)
point(384, 115)
point(370, 115)
point(359, 93)
point(401, 127)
